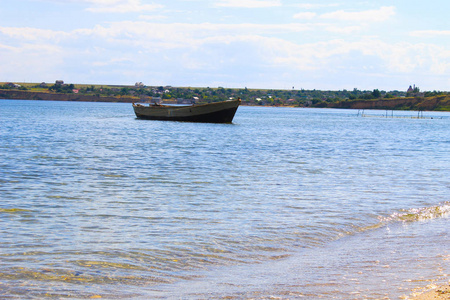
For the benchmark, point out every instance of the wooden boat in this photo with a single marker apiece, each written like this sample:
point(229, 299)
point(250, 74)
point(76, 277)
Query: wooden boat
point(217, 112)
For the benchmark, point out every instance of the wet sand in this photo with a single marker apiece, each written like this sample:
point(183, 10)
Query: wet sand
point(433, 292)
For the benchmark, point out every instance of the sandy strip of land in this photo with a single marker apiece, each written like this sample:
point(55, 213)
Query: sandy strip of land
point(433, 293)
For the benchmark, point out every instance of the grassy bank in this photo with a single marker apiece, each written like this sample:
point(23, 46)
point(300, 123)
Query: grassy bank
point(394, 100)
point(436, 103)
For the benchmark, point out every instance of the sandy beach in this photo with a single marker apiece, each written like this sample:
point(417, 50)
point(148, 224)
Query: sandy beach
point(433, 292)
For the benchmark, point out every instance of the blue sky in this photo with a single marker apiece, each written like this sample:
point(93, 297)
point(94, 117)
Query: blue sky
point(280, 44)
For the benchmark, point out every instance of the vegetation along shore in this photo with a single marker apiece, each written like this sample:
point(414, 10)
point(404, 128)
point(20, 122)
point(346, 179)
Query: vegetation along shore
point(412, 99)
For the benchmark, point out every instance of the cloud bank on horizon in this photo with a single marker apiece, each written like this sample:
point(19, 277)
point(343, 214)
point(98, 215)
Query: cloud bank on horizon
point(280, 44)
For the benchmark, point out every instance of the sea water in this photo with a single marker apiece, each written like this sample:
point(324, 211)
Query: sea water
point(283, 203)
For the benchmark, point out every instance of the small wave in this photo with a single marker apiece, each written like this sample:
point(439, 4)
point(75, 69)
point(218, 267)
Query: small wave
point(407, 215)
point(419, 214)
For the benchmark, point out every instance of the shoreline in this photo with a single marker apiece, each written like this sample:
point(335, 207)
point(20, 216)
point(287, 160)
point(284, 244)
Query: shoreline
point(432, 292)
point(435, 103)
point(44, 96)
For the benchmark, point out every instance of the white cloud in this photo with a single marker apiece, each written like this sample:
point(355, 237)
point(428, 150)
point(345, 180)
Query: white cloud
point(34, 62)
point(343, 29)
point(249, 3)
point(109, 62)
point(152, 18)
point(103, 2)
point(366, 54)
point(30, 34)
point(182, 34)
point(121, 6)
point(430, 33)
point(376, 15)
point(305, 15)
point(129, 37)
point(314, 5)
point(419, 58)
point(209, 51)
point(360, 20)
point(7, 47)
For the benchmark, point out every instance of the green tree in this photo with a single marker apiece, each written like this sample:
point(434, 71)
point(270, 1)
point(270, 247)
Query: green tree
point(123, 91)
point(376, 93)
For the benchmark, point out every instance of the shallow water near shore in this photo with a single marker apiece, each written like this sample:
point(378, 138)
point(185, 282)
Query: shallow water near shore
point(284, 202)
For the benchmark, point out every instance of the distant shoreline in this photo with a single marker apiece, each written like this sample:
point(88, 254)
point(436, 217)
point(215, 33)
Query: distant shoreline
point(30, 95)
point(434, 103)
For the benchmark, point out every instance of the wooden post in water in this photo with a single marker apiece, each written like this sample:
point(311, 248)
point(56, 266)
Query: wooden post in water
point(420, 114)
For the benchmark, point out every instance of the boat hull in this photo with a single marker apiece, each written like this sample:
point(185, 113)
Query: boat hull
point(219, 112)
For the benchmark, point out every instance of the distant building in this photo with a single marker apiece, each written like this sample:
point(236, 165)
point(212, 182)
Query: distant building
point(12, 85)
point(59, 82)
point(414, 91)
point(43, 85)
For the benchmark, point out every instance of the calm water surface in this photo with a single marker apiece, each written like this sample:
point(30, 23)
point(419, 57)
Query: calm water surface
point(284, 202)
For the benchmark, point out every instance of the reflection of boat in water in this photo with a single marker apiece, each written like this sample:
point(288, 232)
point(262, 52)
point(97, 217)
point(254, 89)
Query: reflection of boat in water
point(218, 112)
